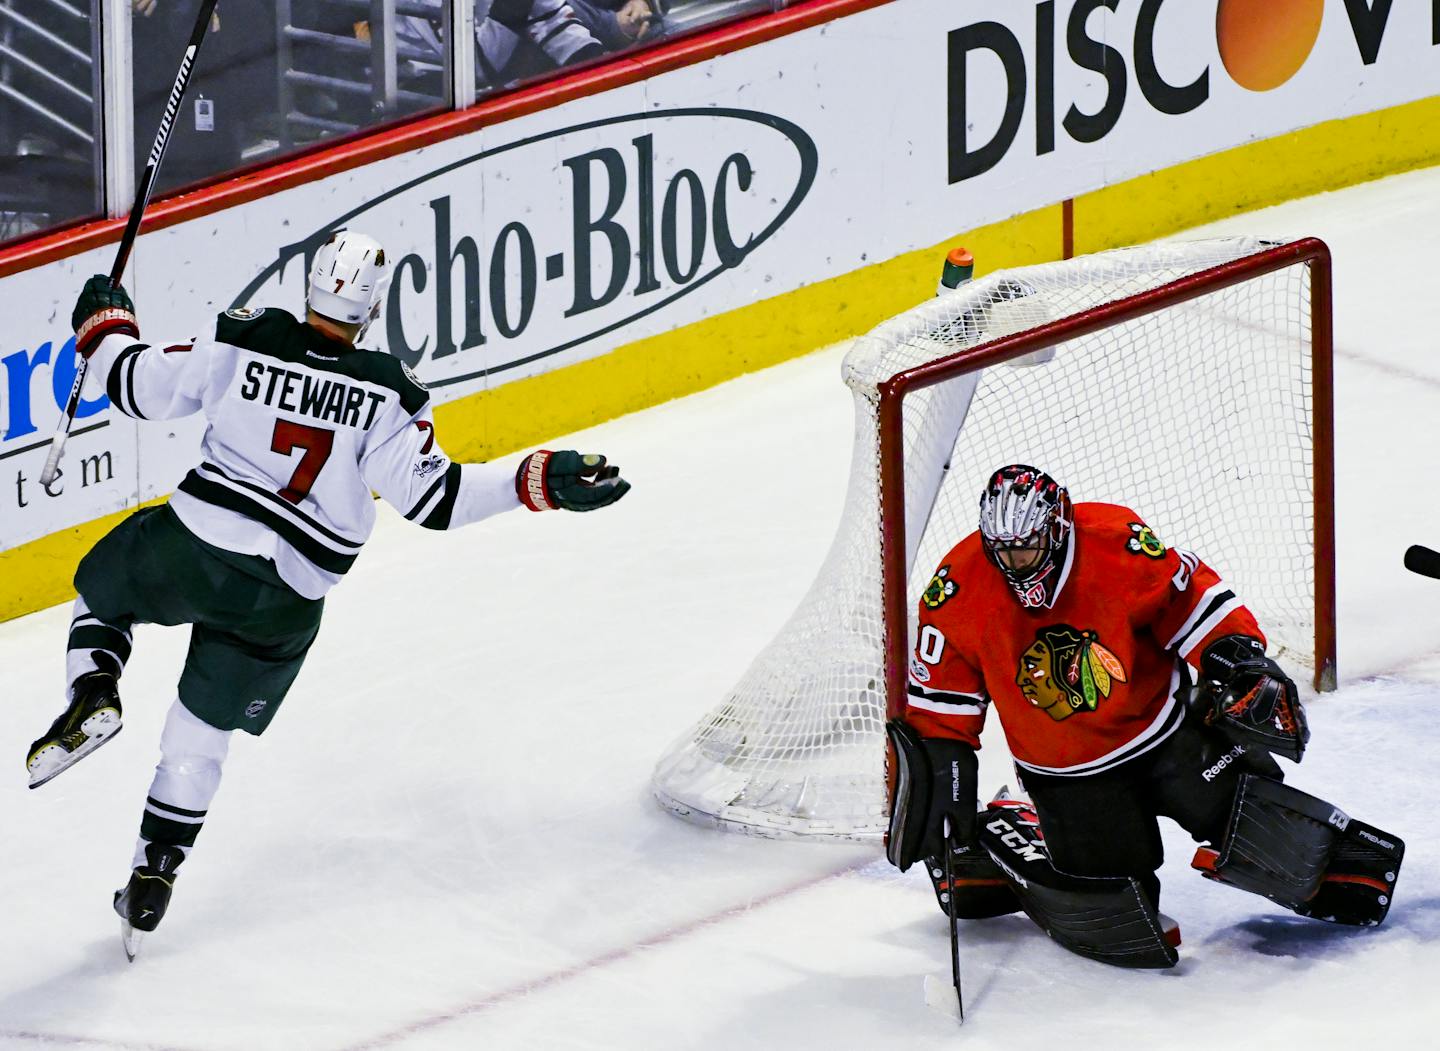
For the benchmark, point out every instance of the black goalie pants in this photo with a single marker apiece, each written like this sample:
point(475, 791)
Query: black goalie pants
point(1106, 824)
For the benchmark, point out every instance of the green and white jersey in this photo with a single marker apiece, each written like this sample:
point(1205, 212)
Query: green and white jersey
point(301, 430)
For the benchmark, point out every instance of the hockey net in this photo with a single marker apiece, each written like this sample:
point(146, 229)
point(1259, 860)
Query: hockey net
point(1189, 381)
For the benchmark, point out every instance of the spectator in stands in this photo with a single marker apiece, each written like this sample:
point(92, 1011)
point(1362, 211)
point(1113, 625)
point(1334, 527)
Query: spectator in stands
point(519, 39)
point(619, 23)
point(526, 38)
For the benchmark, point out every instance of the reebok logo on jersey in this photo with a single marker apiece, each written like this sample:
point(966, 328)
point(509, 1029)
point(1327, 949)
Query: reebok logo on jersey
point(1212, 772)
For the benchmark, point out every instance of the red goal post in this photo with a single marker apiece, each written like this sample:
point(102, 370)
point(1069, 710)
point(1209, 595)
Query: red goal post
point(1310, 250)
point(1190, 381)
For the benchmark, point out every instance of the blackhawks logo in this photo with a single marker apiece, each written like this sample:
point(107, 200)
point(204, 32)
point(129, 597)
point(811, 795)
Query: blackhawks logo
point(1143, 541)
point(1066, 670)
point(939, 590)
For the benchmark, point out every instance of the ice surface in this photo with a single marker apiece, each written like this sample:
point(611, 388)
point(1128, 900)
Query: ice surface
point(446, 840)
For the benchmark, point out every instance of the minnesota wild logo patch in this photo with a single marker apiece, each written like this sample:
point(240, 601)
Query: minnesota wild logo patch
point(939, 590)
point(1066, 670)
point(1143, 541)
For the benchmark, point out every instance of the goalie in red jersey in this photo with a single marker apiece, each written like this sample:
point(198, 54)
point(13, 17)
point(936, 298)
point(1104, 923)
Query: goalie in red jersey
point(1131, 683)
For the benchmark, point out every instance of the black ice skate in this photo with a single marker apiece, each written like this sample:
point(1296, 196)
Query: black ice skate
point(92, 719)
point(141, 905)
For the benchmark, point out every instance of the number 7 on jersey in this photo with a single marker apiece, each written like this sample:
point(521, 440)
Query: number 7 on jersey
point(317, 443)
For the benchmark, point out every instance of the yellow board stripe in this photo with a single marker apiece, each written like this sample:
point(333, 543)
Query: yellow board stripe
point(1312, 160)
point(38, 574)
point(527, 412)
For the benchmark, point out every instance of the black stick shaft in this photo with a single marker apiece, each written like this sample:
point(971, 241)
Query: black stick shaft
point(132, 224)
point(954, 920)
point(162, 140)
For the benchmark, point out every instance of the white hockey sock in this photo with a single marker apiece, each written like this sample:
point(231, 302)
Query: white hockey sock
point(186, 779)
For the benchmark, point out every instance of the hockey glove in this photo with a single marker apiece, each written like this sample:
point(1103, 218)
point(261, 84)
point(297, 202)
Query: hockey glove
point(568, 480)
point(1247, 697)
point(101, 310)
point(934, 782)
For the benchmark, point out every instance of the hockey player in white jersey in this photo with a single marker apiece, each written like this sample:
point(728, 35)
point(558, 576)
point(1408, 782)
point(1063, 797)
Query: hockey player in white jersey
point(301, 427)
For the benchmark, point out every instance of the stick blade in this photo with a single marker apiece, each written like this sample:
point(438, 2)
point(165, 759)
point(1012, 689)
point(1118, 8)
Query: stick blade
point(940, 996)
point(1422, 560)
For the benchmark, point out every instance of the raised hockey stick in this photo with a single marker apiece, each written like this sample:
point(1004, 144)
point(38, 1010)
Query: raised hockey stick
point(1422, 560)
point(132, 226)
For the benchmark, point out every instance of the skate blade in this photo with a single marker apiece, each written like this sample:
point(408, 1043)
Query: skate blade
point(940, 996)
point(130, 939)
point(101, 727)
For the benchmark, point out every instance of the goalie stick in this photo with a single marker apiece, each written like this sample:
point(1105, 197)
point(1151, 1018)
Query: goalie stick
point(954, 926)
point(1422, 560)
point(132, 226)
point(935, 994)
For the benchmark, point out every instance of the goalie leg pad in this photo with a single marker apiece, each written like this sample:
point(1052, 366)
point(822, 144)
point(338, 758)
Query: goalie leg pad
point(1360, 882)
point(1305, 854)
point(1110, 919)
point(1278, 842)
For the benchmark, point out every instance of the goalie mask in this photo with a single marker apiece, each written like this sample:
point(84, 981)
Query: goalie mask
point(348, 280)
point(1025, 520)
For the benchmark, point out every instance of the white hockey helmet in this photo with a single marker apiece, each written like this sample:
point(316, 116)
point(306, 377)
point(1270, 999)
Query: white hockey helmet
point(1025, 524)
point(348, 279)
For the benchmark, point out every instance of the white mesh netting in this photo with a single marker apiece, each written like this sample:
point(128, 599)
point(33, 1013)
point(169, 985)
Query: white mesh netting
point(1197, 416)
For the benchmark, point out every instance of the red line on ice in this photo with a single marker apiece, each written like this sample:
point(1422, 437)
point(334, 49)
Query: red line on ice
point(604, 959)
point(53, 1039)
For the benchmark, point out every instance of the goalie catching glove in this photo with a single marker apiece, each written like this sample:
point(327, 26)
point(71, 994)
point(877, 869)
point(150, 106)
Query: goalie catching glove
point(934, 784)
point(1246, 696)
point(568, 480)
point(101, 310)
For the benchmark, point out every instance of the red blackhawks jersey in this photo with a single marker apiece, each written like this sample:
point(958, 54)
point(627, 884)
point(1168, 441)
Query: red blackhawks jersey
point(1087, 682)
